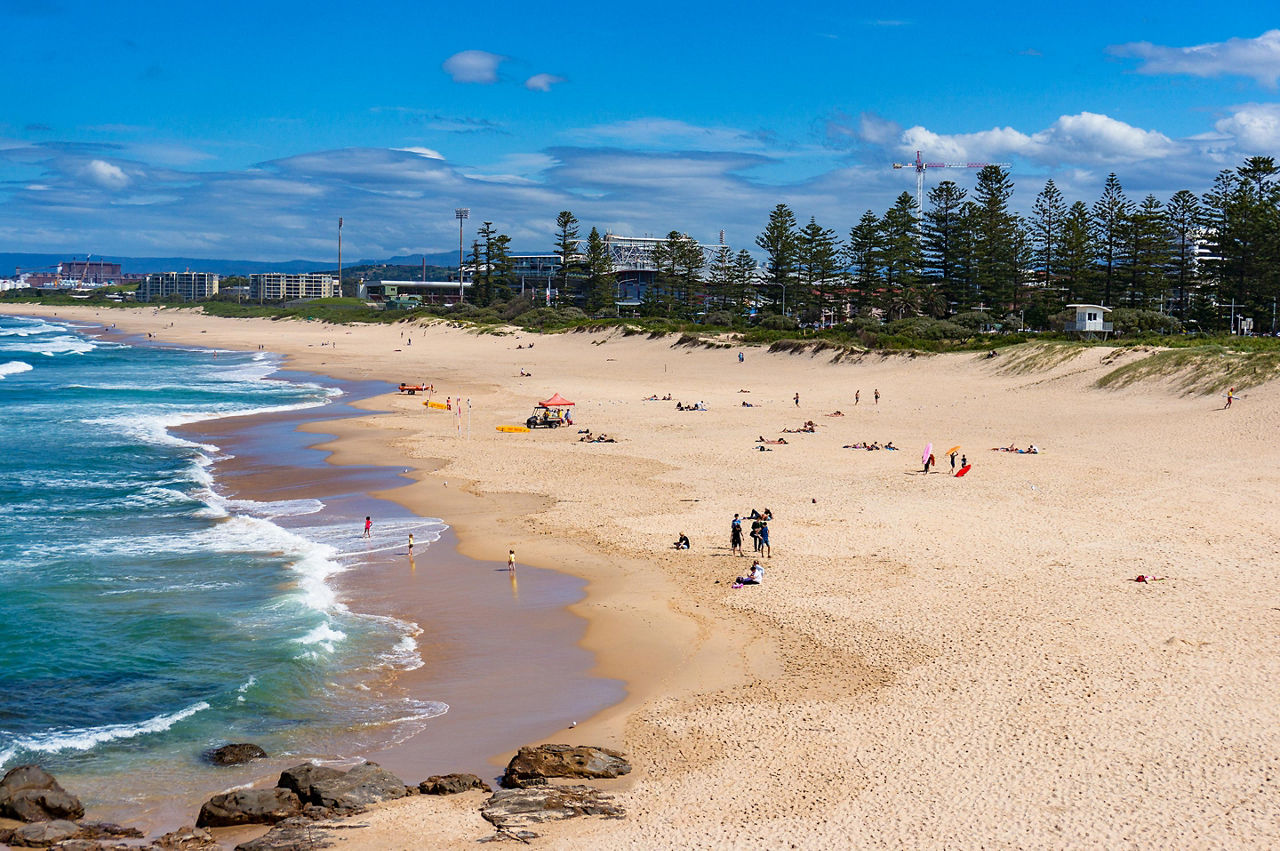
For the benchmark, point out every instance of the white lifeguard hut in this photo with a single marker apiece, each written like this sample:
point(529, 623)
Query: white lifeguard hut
point(1090, 321)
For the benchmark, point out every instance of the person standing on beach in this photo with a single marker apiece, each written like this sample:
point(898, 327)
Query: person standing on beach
point(410, 545)
point(877, 395)
point(1231, 395)
point(741, 357)
point(735, 535)
point(764, 539)
point(797, 400)
point(953, 463)
point(511, 559)
point(755, 536)
point(368, 527)
point(857, 397)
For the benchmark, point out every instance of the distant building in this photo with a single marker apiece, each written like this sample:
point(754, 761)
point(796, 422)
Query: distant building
point(278, 286)
point(90, 272)
point(190, 286)
point(404, 294)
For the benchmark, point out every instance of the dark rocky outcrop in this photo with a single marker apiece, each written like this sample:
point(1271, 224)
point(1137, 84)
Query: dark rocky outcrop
point(452, 784)
point(343, 791)
point(29, 793)
point(508, 808)
point(41, 833)
point(533, 765)
point(249, 806)
point(234, 754)
point(187, 838)
point(296, 834)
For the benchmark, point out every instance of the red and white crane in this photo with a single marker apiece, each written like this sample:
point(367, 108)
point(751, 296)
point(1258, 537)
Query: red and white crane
point(921, 166)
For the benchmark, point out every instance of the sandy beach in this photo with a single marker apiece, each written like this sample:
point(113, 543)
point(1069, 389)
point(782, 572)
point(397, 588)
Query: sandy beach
point(931, 661)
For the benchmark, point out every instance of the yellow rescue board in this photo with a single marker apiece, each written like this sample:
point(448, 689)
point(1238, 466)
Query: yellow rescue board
point(439, 406)
point(513, 428)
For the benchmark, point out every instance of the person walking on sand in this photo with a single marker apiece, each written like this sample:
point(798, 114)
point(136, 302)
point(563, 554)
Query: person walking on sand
point(741, 357)
point(1231, 395)
point(368, 527)
point(735, 535)
point(857, 397)
point(511, 559)
point(410, 545)
point(877, 395)
point(797, 400)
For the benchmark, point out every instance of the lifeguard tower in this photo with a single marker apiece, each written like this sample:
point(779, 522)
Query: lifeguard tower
point(1089, 322)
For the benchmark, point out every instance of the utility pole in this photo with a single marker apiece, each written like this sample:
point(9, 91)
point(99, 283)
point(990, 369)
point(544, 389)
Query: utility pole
point(460, 213)
point(339, 255)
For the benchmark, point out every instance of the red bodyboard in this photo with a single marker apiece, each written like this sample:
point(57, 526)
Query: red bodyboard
point(963, 470)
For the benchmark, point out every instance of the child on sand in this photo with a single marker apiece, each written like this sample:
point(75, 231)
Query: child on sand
point(410, 545)
point(511, 559)
point(368, 526)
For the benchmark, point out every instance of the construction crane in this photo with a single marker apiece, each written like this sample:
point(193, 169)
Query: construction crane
point(921, 166)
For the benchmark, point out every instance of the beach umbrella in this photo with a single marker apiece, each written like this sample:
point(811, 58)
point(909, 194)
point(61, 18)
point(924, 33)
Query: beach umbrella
point(928, 450)
point(953, 450)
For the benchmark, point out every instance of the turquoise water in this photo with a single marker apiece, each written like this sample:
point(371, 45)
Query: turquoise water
point(143, 615)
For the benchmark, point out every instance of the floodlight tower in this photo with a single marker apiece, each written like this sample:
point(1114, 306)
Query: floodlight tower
point(921, 166)
point(460, 213)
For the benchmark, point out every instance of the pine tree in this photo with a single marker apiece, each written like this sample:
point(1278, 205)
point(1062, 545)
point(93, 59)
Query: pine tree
point(901, 256)
point(1046, 228)
point(862, 257)
point(1148, 253)
point(1184, 216)
point(1110, 218)
point(942, 238)
point(996, 270)
point(1077, 255)
point(599, 275)
point(817, 261)
point(778, 241)
point(744, 280)
point(720, 279)
point(567, 248)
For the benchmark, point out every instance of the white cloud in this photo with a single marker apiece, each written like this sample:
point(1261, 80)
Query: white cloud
point(1087, 137)
point(422, 152)
point(1254, 126)
point(542, 82)
point(105, 174)
point(473, 66)
point(1258, 58)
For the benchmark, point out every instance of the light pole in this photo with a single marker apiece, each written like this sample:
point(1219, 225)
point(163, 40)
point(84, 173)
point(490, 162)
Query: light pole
point(339, 255)
point(460, 213)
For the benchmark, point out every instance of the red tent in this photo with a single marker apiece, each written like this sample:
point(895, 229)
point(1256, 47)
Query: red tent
point(556, 401)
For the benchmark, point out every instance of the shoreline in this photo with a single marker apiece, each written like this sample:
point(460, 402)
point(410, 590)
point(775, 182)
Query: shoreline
point(931, 661)
point(347, 442)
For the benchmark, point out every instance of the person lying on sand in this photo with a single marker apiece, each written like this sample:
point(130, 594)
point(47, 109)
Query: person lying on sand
point(653, 398)
point(747, 405)
point(893, 448)
point(854, 446)
point(777, 442)
point(836, 414)
point(1142, 578)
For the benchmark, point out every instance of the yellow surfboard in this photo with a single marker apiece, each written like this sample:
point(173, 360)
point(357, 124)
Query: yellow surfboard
point(513, 428)
point(439, 406)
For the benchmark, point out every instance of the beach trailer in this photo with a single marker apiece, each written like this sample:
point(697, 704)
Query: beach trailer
point(1089, 321)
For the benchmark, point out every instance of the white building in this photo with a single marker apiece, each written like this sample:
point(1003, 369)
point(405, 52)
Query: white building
point(278, 286)
point(187, 285)
point(1089, 320)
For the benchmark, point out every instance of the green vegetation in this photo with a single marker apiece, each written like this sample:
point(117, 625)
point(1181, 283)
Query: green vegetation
point(1199, 369)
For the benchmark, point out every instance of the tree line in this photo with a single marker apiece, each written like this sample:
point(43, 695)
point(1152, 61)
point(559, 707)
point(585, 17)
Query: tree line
point(1189, 257)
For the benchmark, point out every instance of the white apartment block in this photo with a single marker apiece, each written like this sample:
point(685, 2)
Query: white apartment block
point(277, 286)
point(191, 286)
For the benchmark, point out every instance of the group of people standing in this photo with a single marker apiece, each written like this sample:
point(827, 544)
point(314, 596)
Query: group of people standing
point(759, 533)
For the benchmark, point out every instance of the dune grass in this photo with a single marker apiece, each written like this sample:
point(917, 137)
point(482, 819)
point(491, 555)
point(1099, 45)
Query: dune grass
point(1201, 370)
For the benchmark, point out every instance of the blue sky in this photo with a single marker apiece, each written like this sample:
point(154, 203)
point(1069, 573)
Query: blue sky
point(236, 129)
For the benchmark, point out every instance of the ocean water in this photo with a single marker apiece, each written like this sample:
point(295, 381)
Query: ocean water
point(145, 616)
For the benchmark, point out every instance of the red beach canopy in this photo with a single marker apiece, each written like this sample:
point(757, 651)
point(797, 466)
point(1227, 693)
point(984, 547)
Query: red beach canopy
point(556, 401)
